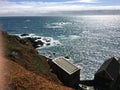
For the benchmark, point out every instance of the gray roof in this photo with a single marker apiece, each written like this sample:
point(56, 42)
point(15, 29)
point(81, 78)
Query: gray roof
point(65, 65)
point(110, 67)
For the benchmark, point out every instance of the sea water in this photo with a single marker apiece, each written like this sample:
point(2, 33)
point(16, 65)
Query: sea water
point(87, 40)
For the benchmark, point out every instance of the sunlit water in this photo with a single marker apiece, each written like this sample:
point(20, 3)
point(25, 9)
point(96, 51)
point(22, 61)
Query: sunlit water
point(87, 40)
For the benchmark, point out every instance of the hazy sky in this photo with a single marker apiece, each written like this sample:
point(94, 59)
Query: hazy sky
point(94, 2)
point(42, 7)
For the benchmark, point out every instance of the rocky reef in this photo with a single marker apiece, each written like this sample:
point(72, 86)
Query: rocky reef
point(38, 41)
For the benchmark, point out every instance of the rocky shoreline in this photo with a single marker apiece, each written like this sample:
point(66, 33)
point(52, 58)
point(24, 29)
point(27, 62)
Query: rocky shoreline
point(38, 41)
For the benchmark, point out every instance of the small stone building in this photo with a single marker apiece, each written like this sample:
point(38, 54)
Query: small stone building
point(66, 72)
point(108, 74)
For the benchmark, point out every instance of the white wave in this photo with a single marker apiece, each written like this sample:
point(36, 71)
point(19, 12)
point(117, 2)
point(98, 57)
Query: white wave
point(50, 26)
point(29, 35)
point(74, 36)
point(57, 24)
point(27, 20)
point(85, 32)
point(61, 23)
point(25, 27)
point(71, 37)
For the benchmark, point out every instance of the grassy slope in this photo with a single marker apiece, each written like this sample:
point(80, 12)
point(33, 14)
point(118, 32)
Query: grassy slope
point(22, 53)
point(18, 78)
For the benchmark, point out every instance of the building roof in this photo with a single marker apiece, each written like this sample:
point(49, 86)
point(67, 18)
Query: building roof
point(110, 68)
point(65, 65)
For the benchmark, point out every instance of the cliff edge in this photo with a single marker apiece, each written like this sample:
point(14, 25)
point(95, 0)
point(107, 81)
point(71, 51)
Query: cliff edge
point(26, 69)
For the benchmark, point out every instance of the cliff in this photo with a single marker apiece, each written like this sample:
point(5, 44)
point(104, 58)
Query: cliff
point(26, 69)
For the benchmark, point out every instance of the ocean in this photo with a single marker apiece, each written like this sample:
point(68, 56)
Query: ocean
point(87, 40)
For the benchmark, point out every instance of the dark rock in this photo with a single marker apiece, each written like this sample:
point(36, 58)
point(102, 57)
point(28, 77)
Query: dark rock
point(37, 44)
point(54, 53)
point(24, 34)
point(67, 57)
point(48, 44)
point(40, 42)
point(37, 38)
point(34, 43)
point(30, 41)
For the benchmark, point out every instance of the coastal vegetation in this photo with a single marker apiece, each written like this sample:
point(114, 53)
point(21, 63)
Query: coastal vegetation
point(26, 69)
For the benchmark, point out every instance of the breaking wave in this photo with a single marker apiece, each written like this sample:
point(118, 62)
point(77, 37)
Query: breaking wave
point(57, 24)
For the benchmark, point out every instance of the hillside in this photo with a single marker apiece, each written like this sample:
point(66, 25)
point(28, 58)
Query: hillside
point(27, 70)
point(18, 78)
